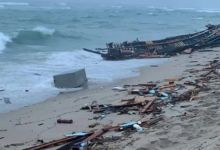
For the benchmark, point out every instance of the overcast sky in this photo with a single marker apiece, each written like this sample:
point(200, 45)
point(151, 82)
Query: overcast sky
point(215, 4)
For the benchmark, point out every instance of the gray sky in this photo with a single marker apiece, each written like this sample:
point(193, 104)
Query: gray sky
point(215, 4)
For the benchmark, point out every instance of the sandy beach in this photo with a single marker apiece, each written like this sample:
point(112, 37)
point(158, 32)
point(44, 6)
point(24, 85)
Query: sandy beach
point(198, 130)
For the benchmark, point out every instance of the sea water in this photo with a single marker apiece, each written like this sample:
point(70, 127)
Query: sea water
point(37, 42)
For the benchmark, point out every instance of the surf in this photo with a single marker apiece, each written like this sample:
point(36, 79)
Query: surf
point(4, 39)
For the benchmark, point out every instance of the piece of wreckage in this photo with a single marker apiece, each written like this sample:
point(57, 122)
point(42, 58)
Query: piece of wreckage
point(160, 48)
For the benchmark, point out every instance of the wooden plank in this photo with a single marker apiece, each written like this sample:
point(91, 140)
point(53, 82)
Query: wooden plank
point(55, 142)
point(147, 106)
point(167, 86)
point(174, 79)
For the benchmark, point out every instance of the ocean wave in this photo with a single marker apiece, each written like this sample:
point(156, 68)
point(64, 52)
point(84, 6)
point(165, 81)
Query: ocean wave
point(4, 39)
point(117, 6)
point(1, 6)
point(93, 26)
point(44, 30)
point(51, 8)
point(201, 10)
point(63, 4)
point(186, 8)
point(39, 36)
point(161, 8)
point(75, 20)
point(199, 18)
point(208, 11)
point(14, 3)
point(102, 24)
point(89, 17)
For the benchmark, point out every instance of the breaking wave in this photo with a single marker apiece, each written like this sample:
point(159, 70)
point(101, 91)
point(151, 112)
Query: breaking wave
point(3, 41)
point(39, 36)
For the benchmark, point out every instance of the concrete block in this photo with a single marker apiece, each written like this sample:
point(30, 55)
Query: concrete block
point(70, 80)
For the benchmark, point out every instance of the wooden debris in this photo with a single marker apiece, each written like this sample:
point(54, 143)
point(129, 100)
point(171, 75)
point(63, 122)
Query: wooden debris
point(55, 142)
point(93, 125)
point(172, 80)
point(167, 86)
point(147, 106)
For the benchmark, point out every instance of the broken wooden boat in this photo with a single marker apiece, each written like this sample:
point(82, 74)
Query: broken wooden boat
point(160, 48)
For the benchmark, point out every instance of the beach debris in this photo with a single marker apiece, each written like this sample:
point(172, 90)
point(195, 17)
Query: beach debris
point(206, 74)
point(57, 142)
point(193, 61)
point(77, 78)
point(15, 144)
point(188, 95)
point(138, 128)
point(164, 48)
point(149, 85)
point(65, 121)
point(117, 136)
point(205, 50)
point(185, 106)
point(37, 74)
point(2, 138)
point(93, 125)
point(40, 141)
point(187, 51)
point(153, 65)
point(167, 86)
point(76, 134)
point(7, 100)
point(174, 79)
point(3, 130)
point(96, 134)
point(40, 124)
point(119, 89)
point(154, 100)
point(147, 106)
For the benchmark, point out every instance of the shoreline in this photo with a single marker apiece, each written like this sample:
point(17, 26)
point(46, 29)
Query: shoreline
point(92, 86)
point(66, 106)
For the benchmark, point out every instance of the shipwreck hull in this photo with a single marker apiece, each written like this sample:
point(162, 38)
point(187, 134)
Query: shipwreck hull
point(167, 46)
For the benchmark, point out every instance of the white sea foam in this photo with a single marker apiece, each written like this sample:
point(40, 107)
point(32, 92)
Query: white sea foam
point(151, 7)
point(117, 6)
point(167, 9)
point(51, 8)
point(63, 4)
point(199, 18)
point(186, 8)
point(3, 41)
point(14, 3)
point(205, 10)
point(163, 8)
point(97, 69)
point(44, 30)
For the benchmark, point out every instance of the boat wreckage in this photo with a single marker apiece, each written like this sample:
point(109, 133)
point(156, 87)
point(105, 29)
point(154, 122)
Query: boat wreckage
point(160, 48)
